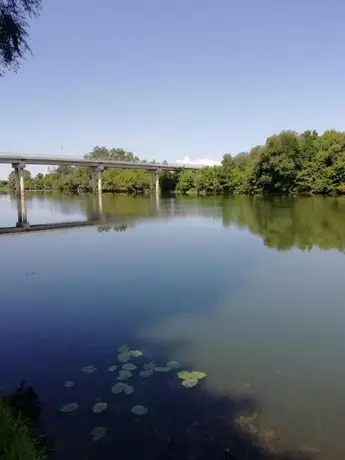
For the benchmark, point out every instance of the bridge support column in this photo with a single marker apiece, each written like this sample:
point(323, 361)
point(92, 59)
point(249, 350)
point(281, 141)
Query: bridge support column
point(97, 179)
point(19, 175)
point(158, 187)
point(22, 215)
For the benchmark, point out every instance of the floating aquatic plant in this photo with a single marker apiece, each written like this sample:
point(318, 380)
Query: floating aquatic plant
point(129, 390)
point(68, 384)
point(118, 388)
point(123, 348)
point(190, 379)
point(124, 375)
point(89, 369)
point(99, 407)
point(146, 373)
point(71, 407)
point(139, 410)
point(149, 366)
point(162, 369)
point(189, 383)
point(173, 365)
point(112, 368)
point(124, 357)
point(98, 433)
point(135, 353)
point(129, 367)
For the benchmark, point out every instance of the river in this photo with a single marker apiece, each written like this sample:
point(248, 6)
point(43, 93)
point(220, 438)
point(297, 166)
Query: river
point(249, 291)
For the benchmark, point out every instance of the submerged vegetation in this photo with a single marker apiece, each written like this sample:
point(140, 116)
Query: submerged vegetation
point(19, 415)
point(288, 163)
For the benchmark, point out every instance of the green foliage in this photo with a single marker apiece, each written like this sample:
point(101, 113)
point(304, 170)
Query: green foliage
point(14, 15)
point(287, 164)
point(16, 442)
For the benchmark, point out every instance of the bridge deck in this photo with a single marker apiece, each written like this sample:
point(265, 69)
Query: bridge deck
point(59, 160)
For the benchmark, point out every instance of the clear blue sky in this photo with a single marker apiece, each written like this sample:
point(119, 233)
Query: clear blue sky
point(174, 78)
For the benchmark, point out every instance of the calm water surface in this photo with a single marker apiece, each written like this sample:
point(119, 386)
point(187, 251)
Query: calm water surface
point(249, 291)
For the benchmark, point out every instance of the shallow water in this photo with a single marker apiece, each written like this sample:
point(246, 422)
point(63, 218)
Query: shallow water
point(249, 291)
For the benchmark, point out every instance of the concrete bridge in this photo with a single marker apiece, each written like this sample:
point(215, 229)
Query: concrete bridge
point(20, 161)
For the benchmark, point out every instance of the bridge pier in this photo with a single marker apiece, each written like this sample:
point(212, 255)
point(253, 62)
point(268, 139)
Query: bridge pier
point(154, 179)
point(19, 175)
point(97, 178)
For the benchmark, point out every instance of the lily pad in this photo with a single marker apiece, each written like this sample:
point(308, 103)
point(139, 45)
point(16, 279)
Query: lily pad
point(124, 357)
point(89, 369)
point(198, 375)
point(129, 367)
point(136, 353)
point(194, 375)
point(189, 383)
point(99, 407)
point(162, 369)
point(124, 375)
point(98, 433)
point(112, 368)
point(129, 390)
point(118, 388)
point(68, 384)
point(139, 410)
point(123, 348)
point(149, 366)
point(146, 373)
point(173, 365)
point(71, 407)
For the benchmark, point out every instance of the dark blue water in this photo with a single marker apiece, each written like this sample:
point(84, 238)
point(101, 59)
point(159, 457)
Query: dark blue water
point(249, 291)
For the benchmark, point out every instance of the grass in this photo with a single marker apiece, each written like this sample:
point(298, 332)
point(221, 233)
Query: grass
point(16, 441)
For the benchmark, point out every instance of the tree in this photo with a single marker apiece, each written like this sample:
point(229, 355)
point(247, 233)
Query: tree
point(12, 181)
point(14, 15)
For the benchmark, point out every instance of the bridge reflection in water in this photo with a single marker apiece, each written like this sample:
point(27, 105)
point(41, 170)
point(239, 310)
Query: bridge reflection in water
point(95, 217)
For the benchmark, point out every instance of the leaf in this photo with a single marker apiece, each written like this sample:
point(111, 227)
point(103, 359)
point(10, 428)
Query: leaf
point(146, 373)
point(70, 407)
point(136, 353)
point(129, 367)
point(189, 383)
point(98, 433)
point(139, 410)
point(99, 407)
point(89, 369)
point(129, 390)
point(118, 388)
point(112, 368)
point(123, 349)
point(124, 375)
point(68, 384)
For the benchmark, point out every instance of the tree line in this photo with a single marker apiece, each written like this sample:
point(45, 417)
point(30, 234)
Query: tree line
point(287, 164)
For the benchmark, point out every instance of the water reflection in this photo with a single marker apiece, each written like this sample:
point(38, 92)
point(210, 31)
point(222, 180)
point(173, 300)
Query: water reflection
point(282, 223)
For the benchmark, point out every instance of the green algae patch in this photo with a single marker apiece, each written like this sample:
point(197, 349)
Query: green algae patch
point(99, 407)
point(68, 384)
point(70, 407)
point(98, 433)
point(139, 410)
point(112, 368)
point(89, 369)
point(129, 367)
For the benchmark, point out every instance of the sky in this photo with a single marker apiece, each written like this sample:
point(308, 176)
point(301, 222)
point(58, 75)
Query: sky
point(174, 80)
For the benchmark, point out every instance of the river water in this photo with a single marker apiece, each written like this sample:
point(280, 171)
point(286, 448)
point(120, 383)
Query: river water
point(249, 291)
